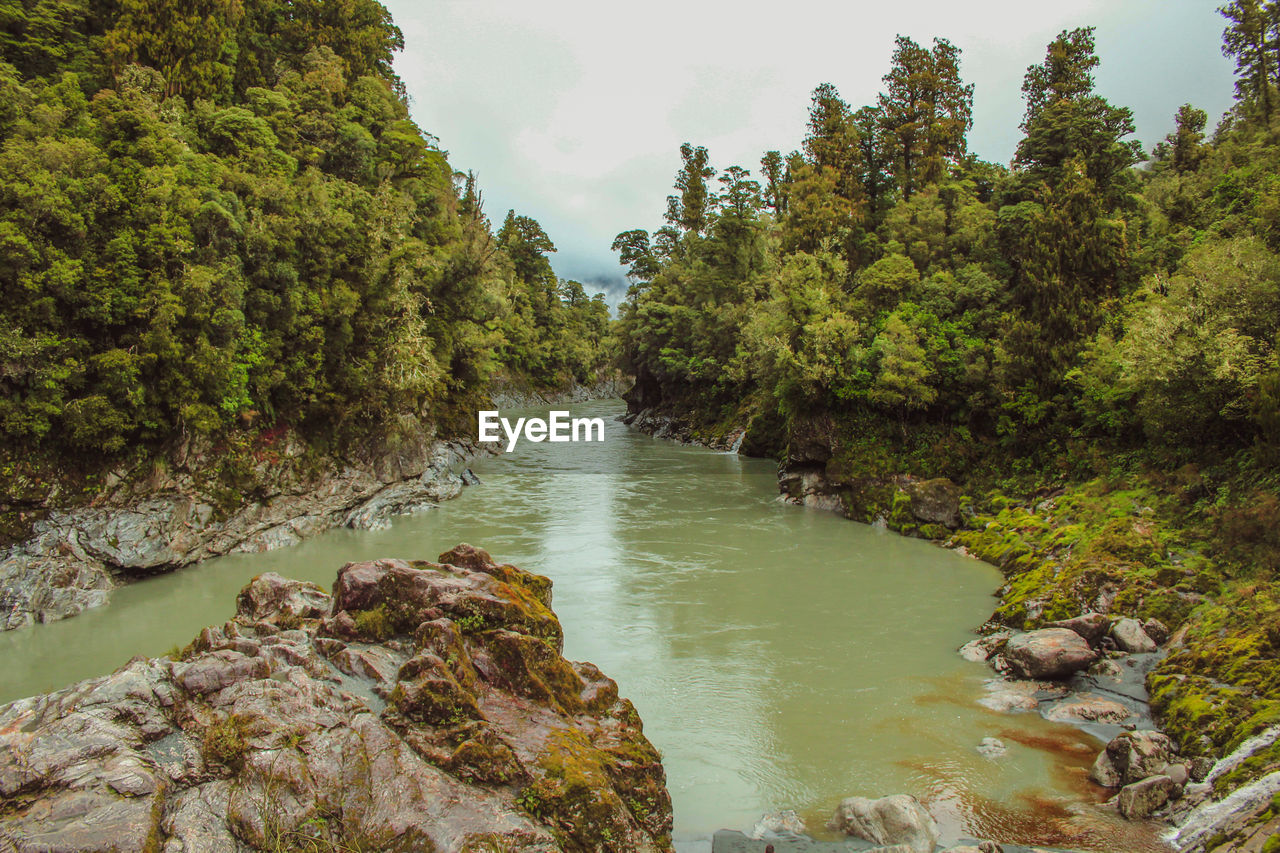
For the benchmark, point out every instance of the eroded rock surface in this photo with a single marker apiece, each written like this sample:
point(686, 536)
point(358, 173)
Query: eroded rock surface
point(425, 707)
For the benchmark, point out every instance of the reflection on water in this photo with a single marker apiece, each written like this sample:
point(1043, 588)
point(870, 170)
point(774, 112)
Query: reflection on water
point(780, 657)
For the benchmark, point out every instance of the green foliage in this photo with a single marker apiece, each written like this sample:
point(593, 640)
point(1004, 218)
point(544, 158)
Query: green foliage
point(225, 218)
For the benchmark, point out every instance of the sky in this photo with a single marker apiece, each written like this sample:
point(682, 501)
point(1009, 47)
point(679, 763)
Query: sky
point(573, 112)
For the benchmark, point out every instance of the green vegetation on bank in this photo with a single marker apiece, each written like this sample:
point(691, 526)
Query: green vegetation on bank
point(219, 217)
point(1087, 340)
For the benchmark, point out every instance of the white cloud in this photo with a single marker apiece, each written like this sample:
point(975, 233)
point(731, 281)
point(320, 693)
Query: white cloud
point(573, 112)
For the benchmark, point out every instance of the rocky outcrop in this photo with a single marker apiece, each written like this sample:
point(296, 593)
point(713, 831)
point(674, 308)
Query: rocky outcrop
point(898, 820)
point(935, 501)
point(426, 706)
point(1048, 653)
point(171, 517)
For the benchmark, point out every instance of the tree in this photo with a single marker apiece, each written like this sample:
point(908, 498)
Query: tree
point(692, 208)
point(1065, 121)
point(1245, 40)
point(876, 145)
point(774, 170)
point(927, 109)
point(1183, 149)
point(190, 42)
point(634, 250)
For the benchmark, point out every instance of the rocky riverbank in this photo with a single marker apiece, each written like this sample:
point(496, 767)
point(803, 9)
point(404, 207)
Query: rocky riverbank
point(159, 515)
point(424, 706)
point(1090, 550)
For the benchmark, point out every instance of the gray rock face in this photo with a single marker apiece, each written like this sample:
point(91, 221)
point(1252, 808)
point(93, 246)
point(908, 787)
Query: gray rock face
point(462, 739)
point(1144, 798)
point(1131, 757)
point(1131, 638)
point(1092, 626)
point(170, 521)
point(935, 501)
point(1048, 653)
point(897, 820)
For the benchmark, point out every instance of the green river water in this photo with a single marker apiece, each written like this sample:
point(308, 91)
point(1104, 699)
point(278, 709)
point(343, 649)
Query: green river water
point(780, 657)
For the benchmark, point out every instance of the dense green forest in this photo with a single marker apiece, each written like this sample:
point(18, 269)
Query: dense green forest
point(218, 215)
point(1086, 340)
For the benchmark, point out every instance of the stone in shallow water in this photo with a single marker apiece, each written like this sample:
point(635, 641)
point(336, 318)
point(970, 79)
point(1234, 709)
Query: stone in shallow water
point(1048, 653)
point(1088, 708)
point(896, 820)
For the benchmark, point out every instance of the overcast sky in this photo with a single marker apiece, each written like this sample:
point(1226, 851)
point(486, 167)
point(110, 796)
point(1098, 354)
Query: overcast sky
point(573, 112)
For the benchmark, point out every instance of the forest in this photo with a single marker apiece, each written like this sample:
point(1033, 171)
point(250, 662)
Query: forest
point(218, 216)
point(1084, 340)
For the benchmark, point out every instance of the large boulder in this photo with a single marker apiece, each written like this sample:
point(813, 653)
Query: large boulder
point(896, 820)
point(1131, 757)
point(1048, 653)
point(1130, 637)
point(465, 731)
point(935, 501)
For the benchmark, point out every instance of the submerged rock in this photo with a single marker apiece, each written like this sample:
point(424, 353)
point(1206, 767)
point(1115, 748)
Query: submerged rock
point(1089, 708)
point(1048, 653)
point(430, 709)
point(777, 823)
point(896, 820)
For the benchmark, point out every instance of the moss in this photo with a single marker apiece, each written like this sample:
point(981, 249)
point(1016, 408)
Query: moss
point(375, 624)
point(573, 793)
point(225, 743)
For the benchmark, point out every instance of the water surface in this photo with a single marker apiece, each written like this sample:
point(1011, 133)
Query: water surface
point(780, 657)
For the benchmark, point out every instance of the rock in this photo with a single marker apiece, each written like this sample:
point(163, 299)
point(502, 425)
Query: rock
point(983, 648)
point(776, 823)
point(1048, 653)
point(980, 847)
point(489, 738)
point(1157, 631)
point(1130, 637)
point(1178, 773)
point(899, 819)
point(275, 599)
point(935, 501)
point(1131, 757)
point(1142, 799)
point(1089, 708)
point(992, 748)
point(1092, 626)
point(1201, 766)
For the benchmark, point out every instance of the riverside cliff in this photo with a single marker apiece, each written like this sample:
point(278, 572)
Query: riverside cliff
point(421, 706)
point(202, 501)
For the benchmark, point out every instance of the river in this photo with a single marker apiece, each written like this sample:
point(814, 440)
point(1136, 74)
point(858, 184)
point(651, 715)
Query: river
point(780, 657)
